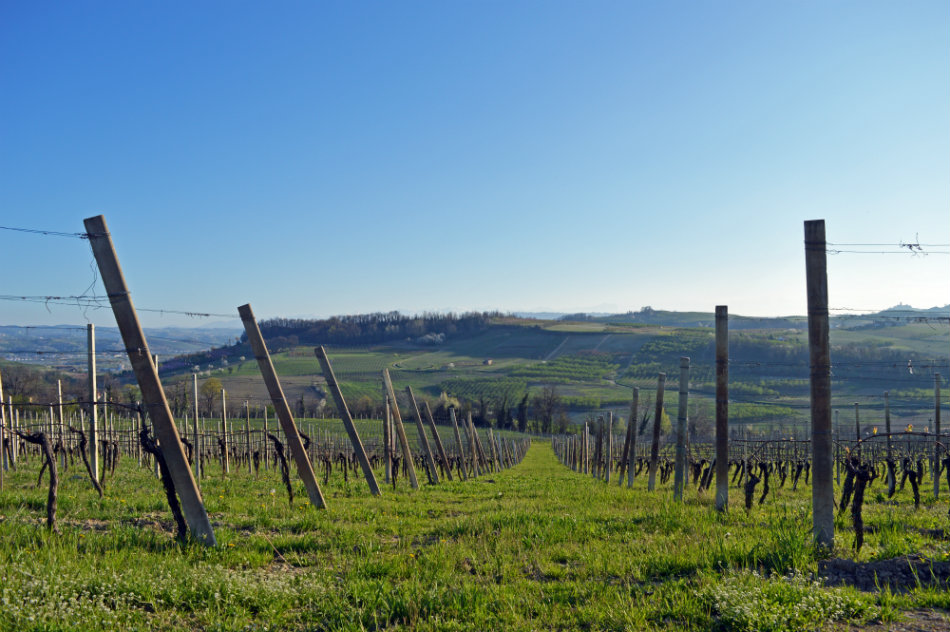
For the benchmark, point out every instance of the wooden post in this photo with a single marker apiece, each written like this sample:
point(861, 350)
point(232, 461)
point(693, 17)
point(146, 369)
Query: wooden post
point(458, 444)
point(387, 440)
point(609, 447)
point(823, 496)
point(430, 460)
point(722, 408)
point(147, 376)
point(655, 446)
point(197, 448)
point(632, 455)
point(887, 422)
point(936, 467)
point(225, 456)
point(472, 444)
point(247, 437)
point(400, 430)
point(368, 474)
point(679, 471)
point(438, 441)
point(857, 423)
point(286, 418)
point(93, 408)
point(3, 433)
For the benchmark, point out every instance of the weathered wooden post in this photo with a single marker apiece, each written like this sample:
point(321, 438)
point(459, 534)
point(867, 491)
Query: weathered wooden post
point(679, 471)
point(632, 455)
point(426, 448)
point(458, 443)
point(722, 408)
point(400, 430)
point(438, 441)
point(147, 376)
point(609, 446)
point(887, 422)
point(823, 496)
point(225, 457)
point(658, 418)
point(247, 437)
point(355, 441)
point(93, 408)
point(857, 424)
point(286, 418)
point(472, 444)
point(387, 440)
point(197, 450)
point(936, 467)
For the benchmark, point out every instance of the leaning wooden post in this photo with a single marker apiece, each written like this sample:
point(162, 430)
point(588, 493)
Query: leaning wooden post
point(458, 444)
point(722, 408)
point(472, 444)
point(936, 467)
point(147, 376)
point(355, 441)
point(430, 460)
point(438, 441)
point(655, 446)
point(679, 471)
point(400, 431)
point(286, 418)
point(823, 496)
point(632, 455)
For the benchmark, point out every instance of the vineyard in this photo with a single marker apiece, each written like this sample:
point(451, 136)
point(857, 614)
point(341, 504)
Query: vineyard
point(515, 475)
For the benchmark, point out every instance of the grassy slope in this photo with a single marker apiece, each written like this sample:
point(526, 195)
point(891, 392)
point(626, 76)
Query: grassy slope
point(536, 547)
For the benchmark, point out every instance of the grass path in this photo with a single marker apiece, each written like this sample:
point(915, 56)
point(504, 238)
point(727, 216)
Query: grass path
point(535, 547)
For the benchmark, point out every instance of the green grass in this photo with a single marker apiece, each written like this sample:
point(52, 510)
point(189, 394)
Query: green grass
point(534, 547)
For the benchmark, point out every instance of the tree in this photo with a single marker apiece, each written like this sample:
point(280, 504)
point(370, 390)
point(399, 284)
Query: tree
point(523, 414)
point(209, 394)
point(547, 406)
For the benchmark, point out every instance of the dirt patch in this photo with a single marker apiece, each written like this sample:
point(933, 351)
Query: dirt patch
point(899, 574)
point(913, 621)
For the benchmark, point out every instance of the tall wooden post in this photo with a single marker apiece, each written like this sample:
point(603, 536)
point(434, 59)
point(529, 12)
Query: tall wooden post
point(936, 467)
point(197, 437)
point(679, 471)
point(609, 446)
point(387, 440)
point(722, 408)
point(632, 455)
point(427, 449)
point(400, 430)
point(655, 446)
point(147, 376)
point(816, 274)
point(438, 441)
point(355, 441)
point(93, 407)
point(286, 418)
point(247, 437)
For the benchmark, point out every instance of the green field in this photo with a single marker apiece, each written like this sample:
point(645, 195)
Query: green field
point(534, 547)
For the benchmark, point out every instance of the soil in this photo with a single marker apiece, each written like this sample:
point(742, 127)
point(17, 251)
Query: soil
point(900, 574)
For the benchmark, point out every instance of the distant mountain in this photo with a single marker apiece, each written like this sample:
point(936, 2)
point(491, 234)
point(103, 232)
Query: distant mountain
point(65, 346)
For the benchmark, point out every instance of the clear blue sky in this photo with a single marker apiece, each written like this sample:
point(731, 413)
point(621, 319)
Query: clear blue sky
point(318, 158)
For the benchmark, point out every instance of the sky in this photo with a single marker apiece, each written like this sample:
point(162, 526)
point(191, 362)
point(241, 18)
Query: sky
point(321, 158)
